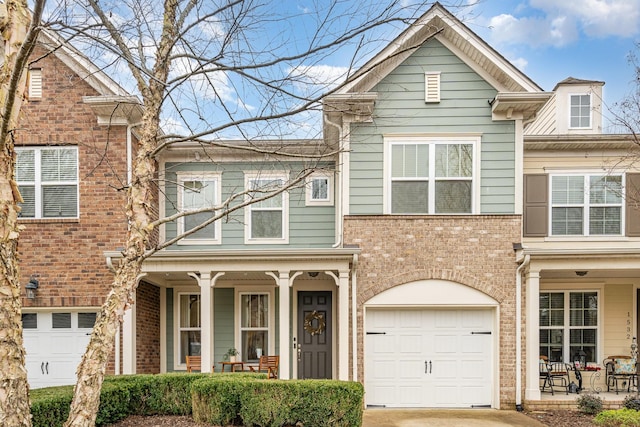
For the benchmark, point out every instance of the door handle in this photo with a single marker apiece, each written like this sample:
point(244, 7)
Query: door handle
point(425, 367)
point(299, 353)
point(47, 367)
point(42, 367)
point(429, 366)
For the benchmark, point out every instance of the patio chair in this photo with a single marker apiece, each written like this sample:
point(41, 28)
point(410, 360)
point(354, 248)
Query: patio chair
point(554, 374)
point(268, 364)
point(194, 362)
point(620, 372)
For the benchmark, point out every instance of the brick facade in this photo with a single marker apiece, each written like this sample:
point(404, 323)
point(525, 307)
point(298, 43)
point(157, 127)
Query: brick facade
point(474, 250)
point(147, 329)
point(66, 255)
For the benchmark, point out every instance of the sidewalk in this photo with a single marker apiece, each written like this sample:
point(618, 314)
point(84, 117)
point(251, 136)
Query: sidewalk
point(379, 417)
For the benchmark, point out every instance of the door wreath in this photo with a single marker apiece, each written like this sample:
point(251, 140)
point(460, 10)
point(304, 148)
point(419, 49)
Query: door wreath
point(314, 318)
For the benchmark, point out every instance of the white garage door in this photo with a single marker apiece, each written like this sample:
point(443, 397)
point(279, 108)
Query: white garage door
point(429, 357)
point(55, 343)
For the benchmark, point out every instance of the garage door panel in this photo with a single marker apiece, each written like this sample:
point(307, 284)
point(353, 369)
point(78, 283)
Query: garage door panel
point(449, 363)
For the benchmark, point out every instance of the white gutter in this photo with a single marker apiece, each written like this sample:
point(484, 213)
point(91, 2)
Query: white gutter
point(354, 318)
point(524, 262)
point(338, 188)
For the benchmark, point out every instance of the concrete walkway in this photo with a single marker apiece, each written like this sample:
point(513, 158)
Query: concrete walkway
point(378, 417)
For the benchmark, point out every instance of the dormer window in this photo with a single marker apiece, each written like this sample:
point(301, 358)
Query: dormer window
point(580, 111)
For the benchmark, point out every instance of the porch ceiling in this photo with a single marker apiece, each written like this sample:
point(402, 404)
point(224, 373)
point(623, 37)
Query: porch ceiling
point(590, 274)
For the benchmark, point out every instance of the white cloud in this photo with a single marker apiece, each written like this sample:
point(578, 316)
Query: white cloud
point(325, 76)
point(559, 23)
point(521, 63)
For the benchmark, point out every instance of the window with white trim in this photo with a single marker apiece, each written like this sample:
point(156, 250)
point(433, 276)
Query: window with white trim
point(568, 325)
point(432, 176)
point(580, 111)
point(188, 326)
point(319, 189)
point(197, 192)
point(48, 181)
point(254, 325)
point(267, 220)
point(586, 205)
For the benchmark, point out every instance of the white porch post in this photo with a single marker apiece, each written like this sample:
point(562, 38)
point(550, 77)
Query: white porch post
point(284, 352)
point(129, 340)
point(532, 388)
point(343, 326)
point(206, 331)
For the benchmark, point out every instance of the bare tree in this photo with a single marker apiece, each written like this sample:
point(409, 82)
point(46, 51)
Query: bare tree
point(19, 33)
point(212, 71)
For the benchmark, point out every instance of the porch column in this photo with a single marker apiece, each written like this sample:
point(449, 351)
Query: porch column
point(285, 324)
point(206, 326)
point(129, 339)
point(343, 326)
point(532, 375)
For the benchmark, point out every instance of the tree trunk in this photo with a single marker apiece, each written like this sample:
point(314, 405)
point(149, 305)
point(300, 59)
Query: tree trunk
point(14, 388)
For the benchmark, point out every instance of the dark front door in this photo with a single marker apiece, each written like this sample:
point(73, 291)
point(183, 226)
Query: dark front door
point(314, 335)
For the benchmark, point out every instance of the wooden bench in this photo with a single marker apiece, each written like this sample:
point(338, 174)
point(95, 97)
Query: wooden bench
point(194, 362)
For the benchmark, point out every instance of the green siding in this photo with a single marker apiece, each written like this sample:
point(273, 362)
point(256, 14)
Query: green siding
point(464, 108)
point(309, 226)
point(223, 322)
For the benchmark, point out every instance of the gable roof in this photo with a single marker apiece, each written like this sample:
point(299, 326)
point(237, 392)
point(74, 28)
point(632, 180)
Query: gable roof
point(440, 24)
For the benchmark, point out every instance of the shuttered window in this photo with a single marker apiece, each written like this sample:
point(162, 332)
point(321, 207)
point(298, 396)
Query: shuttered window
point(586, 205)
point(432, 86)
point(48, 181)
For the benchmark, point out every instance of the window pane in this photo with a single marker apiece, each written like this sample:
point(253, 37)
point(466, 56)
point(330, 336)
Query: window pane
point(454, 160)
point(255, 311)
point(266, 224)
point(86, 320)
point(189, 311)
point(191, 221)
point(557, 300)
point(59, 165)
point(25, 165)
point(61, 320)
point(557, 317)
point(566, 221)
point(320, 189)
point(265, 186)
point(453, 197)
point(198, 194)
point(251, 342)
point(605, 189)
point(60, 201)
point(28, 193)
point(409, 160)
point(409, 196)
point(189, 344)
point(29, 320)
point(567, 190)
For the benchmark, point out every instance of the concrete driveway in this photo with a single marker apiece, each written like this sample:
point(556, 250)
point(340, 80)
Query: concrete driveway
point(378, 417)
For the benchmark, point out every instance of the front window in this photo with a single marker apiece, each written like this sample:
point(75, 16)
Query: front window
point(319, 189)
point(254, 326)
point(189, 326)
point(48, 181)
point(580, 111)
point(569, 325)
point(266, 220)
point(197, 192)
point(431, 177)
point(586, 205)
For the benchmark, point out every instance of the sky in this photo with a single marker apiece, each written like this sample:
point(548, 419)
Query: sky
point(550, 40)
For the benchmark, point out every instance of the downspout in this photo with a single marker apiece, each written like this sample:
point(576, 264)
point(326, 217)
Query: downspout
point(338, 195)
point(116, 362)
point(354, 318)
point(524, 262)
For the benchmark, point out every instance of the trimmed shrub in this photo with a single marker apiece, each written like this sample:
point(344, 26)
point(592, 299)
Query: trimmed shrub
point(589, 404)
point(50, 406)
point(632, 402)
point(618, 417)
point(251, 401)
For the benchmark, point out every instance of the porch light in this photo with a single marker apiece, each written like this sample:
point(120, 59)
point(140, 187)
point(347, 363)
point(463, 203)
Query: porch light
point(581, 273)
point(32, 287)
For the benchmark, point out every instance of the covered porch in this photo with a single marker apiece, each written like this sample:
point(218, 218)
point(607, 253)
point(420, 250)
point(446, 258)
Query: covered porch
point(581, 305)
point(294, 304)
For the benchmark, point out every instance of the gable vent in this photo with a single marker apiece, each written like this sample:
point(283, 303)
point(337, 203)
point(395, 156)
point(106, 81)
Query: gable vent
point(432, 86)
point(35, 83)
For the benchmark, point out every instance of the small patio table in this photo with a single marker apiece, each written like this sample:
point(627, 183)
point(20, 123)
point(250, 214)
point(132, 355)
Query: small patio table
point(233, 366)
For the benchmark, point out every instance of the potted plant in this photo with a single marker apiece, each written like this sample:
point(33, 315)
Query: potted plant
point(231, 354)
